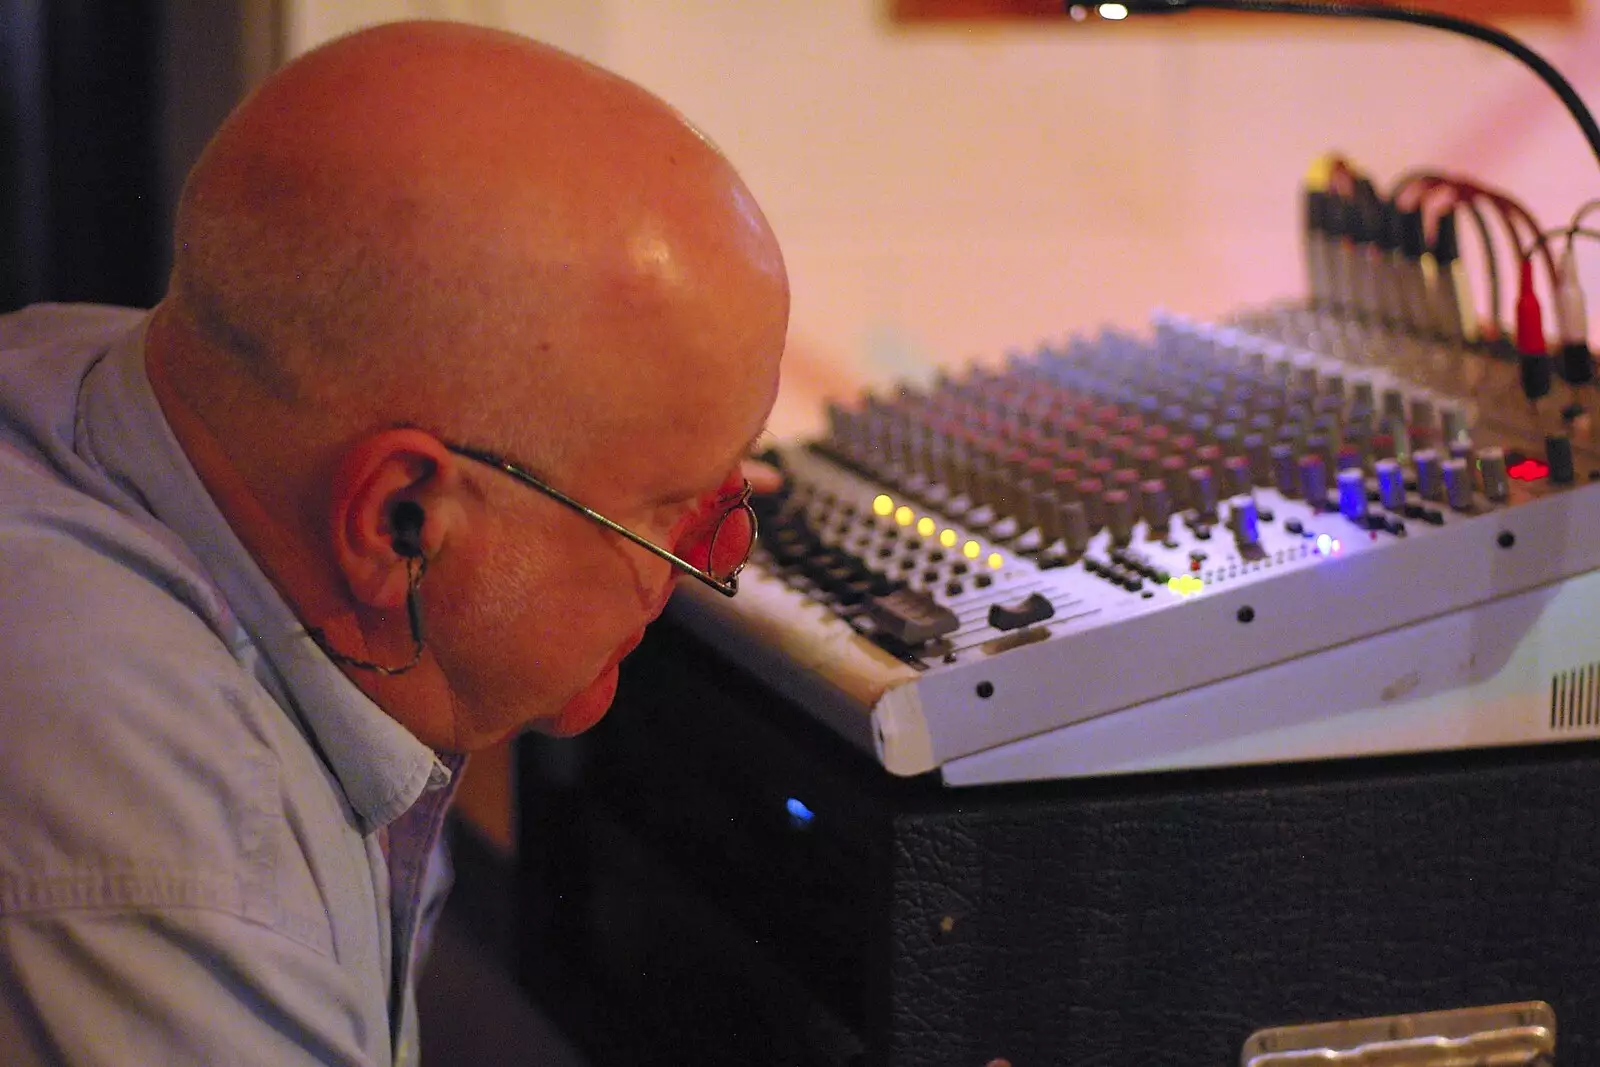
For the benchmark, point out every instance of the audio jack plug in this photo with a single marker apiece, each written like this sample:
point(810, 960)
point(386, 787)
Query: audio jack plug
point(1575, 364)
point(1532, 350)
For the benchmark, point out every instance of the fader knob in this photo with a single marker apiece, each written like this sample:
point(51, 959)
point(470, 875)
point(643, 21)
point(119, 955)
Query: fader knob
point(1430, 473)
point(1458, 483)
point(1492, 466)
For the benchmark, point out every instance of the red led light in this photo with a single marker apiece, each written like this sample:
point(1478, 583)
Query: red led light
point(1529, 470)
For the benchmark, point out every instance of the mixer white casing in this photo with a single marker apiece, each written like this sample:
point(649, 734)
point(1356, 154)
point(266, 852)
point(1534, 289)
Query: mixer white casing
point(1479, 628)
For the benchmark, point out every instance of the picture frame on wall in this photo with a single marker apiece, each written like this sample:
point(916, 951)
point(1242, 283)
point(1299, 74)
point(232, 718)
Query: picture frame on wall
point(1495, 11)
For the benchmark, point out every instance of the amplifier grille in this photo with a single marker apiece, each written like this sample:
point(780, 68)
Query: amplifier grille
point(1575, 698)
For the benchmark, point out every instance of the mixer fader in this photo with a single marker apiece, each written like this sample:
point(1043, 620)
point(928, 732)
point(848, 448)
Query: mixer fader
point(1286, 537)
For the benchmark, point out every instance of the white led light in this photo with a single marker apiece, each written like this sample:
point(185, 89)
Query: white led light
point(1114, 12)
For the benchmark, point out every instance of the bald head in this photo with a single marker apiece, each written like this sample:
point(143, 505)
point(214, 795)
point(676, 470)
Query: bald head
point(461, 229)
point(426, 236)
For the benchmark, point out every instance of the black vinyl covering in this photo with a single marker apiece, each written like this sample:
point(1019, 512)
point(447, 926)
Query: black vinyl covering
point(1158, 919)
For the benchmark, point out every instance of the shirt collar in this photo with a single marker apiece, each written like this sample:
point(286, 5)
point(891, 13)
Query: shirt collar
point(381, 766)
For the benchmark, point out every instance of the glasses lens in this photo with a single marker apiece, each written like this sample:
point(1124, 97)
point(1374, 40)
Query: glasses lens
point(730, 543)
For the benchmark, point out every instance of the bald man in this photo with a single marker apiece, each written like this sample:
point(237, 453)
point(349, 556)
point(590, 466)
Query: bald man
point(464, 343)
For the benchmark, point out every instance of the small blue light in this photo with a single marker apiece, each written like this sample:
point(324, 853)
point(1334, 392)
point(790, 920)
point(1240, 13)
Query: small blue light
point(800, 816)
point(1325, 544)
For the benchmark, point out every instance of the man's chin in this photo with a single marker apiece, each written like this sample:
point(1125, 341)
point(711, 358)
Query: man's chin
point(585, 709)
point(590, 705)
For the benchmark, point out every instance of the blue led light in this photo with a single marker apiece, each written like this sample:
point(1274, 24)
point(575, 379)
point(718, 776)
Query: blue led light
point(1325, 544)
point(800, 816)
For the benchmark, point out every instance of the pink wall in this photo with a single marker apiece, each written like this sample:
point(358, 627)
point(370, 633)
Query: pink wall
point(944, 194)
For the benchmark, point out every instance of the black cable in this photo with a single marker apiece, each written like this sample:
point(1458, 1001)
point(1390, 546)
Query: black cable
point(1504, 42)
point(1569, 232)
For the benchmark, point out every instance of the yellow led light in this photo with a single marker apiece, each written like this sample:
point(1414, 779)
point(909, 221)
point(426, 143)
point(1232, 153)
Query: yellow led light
point(1185, 584)
point(903, 515)
point(882, 505)
point(996, 561)
point(948, 539)
point(925, 526)
point(972, 550)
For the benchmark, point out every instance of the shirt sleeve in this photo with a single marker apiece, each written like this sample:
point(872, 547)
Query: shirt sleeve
point(173, 987)
point(167, 886)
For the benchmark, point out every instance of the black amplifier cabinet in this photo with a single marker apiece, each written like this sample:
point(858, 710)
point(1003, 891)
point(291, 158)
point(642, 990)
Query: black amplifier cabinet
point(711, 878)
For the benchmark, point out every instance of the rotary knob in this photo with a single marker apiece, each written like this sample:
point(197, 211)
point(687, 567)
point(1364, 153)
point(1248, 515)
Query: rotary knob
point(1458, 483)
point(1391, 484)
point(1244, 520)
point(1119, 510)
point(1203, 491)
point(1313, 480)
point(1492, 466)
point(1353, 494)
point(1156, 504)
point(1430, 473)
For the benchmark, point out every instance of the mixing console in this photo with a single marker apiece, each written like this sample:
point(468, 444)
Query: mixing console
point(1291, 536)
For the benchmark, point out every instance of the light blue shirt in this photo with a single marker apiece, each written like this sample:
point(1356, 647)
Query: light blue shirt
point(195, 803)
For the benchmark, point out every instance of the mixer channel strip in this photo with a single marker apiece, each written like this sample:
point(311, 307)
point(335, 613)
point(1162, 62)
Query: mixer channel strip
point(1092, 523)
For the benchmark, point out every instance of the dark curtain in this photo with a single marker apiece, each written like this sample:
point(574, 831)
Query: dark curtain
point(80, 203)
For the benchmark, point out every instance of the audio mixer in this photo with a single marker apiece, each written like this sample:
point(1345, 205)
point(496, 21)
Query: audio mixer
point(1288, 536)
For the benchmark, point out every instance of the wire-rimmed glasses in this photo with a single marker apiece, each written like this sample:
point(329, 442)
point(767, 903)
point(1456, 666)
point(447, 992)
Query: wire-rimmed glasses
point(722, 542)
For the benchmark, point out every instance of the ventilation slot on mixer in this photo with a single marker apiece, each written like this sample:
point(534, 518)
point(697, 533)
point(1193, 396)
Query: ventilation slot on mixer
point(1575, 698)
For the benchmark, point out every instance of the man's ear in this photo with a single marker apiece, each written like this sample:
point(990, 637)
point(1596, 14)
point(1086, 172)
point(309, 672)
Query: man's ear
point(390, 503)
